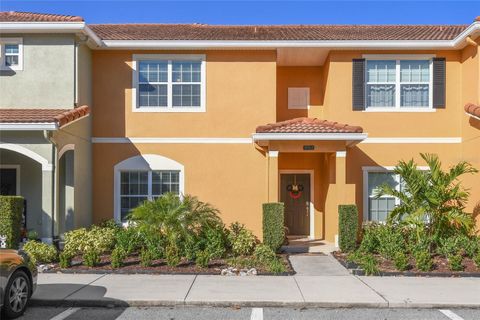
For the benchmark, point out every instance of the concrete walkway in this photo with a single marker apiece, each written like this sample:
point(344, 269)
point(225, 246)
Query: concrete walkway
point(317, 265)
point(295, 291)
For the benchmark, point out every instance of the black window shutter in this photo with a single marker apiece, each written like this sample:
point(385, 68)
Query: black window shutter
point(439, 83)
point(358, 84)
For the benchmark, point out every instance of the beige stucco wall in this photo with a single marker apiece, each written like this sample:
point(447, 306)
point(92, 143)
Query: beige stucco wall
point(47, 78)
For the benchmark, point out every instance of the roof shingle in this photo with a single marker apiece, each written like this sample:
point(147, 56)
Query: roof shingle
point(472, 109)
point(17, 16)
point(278, 32)
point(59, 116)
point(308, 125)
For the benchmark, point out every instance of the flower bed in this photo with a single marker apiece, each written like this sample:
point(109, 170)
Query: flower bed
point(440, 267)
point(167, 235)
point(131, 265)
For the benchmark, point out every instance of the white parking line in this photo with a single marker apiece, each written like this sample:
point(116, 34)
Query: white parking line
point(65, 314)
point(450, 314)
point(257, 314)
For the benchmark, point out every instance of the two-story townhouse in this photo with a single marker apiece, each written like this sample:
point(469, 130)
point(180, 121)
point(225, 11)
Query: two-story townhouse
point(45, 128)
point(312, 116)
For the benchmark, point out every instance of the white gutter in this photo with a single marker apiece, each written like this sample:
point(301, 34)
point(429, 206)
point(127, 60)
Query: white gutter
point(309, 136)
point(49, 27)
point(28, 126)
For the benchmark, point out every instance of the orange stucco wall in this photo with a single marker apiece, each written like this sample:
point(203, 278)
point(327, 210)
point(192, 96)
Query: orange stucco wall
point(246, 89)
point(241, 94)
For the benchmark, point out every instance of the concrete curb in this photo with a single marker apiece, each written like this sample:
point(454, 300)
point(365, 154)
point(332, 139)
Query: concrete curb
point(247, 304)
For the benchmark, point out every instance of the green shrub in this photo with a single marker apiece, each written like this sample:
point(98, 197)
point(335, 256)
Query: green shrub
point(172, 255)
point(423, 260)
point(369, 264)
point(470, 245)
point(215, 240)
point(355, 256)
point(79, 241)
point(40, 252)
point(146, 257)
point(65, 261)
point(111, 224)
point(242, 241)
point(276, 266)
point(347, 227)
point(390, 241)
point(401, 261)
point(11, 208)
point(273, 225)
point(129, 239)
point(154, 242)
point(91, 257)
point(203, 258)
point(455, 262)
point(369, 242)
point(117, 257)
point(264, 254)
point(476, 259)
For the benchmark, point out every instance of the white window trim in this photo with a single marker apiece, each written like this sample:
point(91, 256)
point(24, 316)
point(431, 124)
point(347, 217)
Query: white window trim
point(146, 162)
point(369, 169)
point(17, 174)
point(397, 58)
point(169, 57)
point(3, 42)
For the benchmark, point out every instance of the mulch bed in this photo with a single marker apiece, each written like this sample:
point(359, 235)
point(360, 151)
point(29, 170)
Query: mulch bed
point(132, 265)
point(440, 267)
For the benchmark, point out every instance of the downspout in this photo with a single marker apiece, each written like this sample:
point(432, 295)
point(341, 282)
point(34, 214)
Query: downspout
point(48, 136)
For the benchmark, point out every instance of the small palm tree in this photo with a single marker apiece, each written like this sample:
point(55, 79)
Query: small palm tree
point(432, 200)
point(175, 217)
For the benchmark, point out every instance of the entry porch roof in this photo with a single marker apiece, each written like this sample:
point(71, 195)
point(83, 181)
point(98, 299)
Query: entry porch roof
point(309, 129)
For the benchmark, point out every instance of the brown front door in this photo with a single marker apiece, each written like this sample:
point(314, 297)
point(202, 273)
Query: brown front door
point(295, 194)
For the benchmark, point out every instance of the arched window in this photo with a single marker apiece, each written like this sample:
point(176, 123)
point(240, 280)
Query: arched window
point(144, 177)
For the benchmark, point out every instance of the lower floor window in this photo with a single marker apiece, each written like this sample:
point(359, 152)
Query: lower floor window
point(139, 186)
point(379, 208)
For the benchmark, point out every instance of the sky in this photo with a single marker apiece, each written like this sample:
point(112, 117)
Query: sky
point(257, 12)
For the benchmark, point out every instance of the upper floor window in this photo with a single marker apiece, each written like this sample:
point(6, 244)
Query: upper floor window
point(398, 84)
point(11, 57)
point(169, 83)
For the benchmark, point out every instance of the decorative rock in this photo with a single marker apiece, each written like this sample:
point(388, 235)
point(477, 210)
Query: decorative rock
point(252, 272)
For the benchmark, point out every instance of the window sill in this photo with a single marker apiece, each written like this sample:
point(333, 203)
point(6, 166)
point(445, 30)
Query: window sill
point(15, 68)
point(393, 110)
point(169, 110)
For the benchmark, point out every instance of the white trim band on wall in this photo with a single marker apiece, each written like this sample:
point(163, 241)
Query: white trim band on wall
point(426, 140)
point(174, 140)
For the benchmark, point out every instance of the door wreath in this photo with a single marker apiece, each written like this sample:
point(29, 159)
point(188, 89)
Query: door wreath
point(295, 190)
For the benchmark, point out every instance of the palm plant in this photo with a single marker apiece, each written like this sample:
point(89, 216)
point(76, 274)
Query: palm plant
point(431, 200)
point(175, 217)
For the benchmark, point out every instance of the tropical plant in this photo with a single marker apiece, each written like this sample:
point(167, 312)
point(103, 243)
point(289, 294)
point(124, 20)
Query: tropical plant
point(433, 200)
point(65, 261)
point(476, 260)
point(175, 217)
point(264, 254)
point(203, 258)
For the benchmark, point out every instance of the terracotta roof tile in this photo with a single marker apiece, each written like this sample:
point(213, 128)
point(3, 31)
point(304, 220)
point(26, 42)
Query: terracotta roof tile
point(279, 32)
point(308, 125)
point(17, 16)
point(59, 116)
point(472, 109)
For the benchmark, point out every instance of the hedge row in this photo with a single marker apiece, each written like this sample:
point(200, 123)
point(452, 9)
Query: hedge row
point(11, 209)
point(347, 227)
